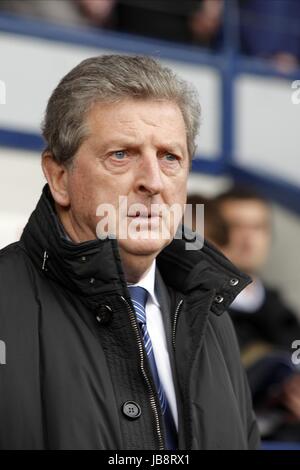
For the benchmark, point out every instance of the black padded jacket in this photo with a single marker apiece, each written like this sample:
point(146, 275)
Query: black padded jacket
point(75, 358)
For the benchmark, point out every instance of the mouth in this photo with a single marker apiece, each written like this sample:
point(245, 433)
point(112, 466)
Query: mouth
point(144, 215)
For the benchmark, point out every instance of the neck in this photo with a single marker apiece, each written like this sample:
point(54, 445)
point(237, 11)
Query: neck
point(135, 267)
point(76, 233)
point(254, 278)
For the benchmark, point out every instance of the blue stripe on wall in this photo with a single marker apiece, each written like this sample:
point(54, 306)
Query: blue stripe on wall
point(21, 140)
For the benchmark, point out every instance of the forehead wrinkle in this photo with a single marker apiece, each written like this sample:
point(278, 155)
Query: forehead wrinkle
point(130, 130)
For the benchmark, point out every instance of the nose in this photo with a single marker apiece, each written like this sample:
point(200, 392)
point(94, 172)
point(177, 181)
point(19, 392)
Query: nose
point(149, 177)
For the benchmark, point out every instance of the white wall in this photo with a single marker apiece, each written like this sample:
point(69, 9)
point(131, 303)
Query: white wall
point(21, 181)
point(267, 127)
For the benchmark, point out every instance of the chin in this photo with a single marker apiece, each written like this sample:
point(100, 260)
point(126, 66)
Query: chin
point(246, 268)
point(142, 247)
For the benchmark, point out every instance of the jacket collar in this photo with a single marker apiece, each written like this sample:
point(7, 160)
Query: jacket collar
point(94, 268)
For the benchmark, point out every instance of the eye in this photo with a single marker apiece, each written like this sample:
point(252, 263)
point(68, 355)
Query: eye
point(170, 157)
point(119, 154)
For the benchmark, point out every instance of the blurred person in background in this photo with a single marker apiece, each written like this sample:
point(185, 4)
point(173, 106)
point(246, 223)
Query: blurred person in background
point(268, 29)
point(205, 23)
point(69, 12)
point(190, 21)
point(266, 326)
point(150, 18)
point(271, 30)
point(194, 21)
point(215, 227)
point(157, 19)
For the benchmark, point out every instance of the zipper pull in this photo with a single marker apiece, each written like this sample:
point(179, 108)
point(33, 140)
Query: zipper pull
point(44, 261)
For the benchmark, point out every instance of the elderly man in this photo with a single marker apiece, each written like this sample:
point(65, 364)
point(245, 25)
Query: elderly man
point(115, 332)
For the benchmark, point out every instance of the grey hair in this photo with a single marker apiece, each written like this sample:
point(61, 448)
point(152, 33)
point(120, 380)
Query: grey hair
point(111, 78)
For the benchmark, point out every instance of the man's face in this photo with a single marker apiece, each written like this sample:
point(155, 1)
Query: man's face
point(249, 233)
point(137, 149)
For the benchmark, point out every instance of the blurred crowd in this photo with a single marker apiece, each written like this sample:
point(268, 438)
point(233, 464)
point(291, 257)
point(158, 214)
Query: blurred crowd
point(239, 223)
point(268, 29)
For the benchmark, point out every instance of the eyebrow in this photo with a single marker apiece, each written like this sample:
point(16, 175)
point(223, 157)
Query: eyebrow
point(115, 143)
point(174, 146)
point(118, 143)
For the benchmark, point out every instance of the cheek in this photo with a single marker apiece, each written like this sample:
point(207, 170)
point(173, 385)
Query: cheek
point(177, 192)
point(176, 204)
point(83, 193)
point(264, 245)
point(87, 180)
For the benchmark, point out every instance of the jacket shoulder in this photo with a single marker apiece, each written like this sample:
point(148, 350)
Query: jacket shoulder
point(12, 252)
point(13, 262)
point(17, 283)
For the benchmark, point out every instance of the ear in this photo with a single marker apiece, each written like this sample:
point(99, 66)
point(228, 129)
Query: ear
point(57, 176)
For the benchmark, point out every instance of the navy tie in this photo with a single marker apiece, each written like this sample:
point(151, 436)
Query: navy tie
point(139, 298)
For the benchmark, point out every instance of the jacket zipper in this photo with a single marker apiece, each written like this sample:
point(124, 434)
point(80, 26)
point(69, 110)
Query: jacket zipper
point(152, 397)
point(177, 311)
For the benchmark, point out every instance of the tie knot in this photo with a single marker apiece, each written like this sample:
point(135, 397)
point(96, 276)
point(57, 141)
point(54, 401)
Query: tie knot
point(139, 297)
